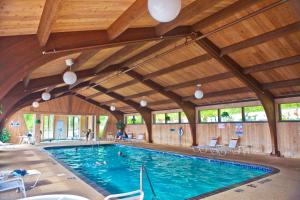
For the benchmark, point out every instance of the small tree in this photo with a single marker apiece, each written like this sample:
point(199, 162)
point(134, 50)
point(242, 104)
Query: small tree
point(5, 135)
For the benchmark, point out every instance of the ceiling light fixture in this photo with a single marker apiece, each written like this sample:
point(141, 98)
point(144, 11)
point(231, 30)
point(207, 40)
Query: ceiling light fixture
point(112, 108)
point(198, 93)
point(69, 76)
point(35, 104)
point(46, 96)
point(164, 10)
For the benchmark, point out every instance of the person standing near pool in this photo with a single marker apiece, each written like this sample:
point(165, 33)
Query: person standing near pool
point(88, 134)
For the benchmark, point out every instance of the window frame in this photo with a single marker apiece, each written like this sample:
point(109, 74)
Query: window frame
point(244, 116)
point(218, 117)
point(280, 113)
point(126, 118)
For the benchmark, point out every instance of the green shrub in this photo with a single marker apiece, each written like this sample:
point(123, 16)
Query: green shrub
point(5, 135)
point(120, 125)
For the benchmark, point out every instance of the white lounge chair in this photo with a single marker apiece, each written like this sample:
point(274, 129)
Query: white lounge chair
point(33, 172)
point(134, 195)
point(231, 148)
point(212, 144)
point(12, 184)
point(56, 197)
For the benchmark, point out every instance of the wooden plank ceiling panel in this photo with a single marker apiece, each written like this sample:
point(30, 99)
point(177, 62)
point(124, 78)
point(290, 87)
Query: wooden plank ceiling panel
point(52, 68)
point(20, 17)
point(166, 60)
point(82, 15)
point(168, 106)
point(152, 98)
point(279, 74)
point(100, 56)
point(103, 98)
point(133, 89)
point(279, 48)
point(251, 27)
point(117, 80)
point(286, 91)
point(198, 71)
point(212, 87)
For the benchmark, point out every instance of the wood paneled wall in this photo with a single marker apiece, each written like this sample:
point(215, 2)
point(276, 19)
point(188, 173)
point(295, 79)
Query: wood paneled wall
point(61, 107)
point(168, 134)
point(137, 130)
point(288, 133)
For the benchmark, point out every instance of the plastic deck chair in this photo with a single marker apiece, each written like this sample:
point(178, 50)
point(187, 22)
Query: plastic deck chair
point(12, 184)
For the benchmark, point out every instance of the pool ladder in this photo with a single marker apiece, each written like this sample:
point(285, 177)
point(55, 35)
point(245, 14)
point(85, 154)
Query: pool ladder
point(137, 194)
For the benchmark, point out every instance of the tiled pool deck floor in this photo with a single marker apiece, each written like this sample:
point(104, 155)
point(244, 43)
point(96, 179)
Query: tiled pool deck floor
point(55, 179)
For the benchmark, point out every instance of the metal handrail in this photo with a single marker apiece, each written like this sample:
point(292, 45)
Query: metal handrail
point(143, 168)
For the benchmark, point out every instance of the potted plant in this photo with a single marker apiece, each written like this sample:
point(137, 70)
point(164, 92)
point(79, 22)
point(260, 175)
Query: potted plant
point(133, 120)
point(168, 118)
point(5, 135)
point(37, 121)
point(98, 122)
point(120, 125)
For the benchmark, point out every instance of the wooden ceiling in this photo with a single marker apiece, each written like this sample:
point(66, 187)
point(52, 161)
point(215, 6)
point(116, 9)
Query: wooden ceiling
point(260, 36)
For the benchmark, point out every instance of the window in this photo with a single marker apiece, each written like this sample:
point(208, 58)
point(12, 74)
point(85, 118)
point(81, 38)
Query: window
point(159, 118)
point(254, 114)
point(48, 127)
point(172, 118)
point(208, 116)
point(134, 119)
point(290, 112)
point(231, 115)
point(103, 122)
point(29, 121)
point(73, 126)
point(183, 118)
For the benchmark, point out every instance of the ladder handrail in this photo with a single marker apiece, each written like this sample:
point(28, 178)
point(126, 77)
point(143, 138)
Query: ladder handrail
point(143, 168)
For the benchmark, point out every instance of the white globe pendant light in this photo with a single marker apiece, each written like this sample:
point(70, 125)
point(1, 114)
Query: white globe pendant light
point(164, 10)
point(112, 108)
point(35, 104)
point(69, 77)
point(46, 96)
point(198, 93)
point(143, 103)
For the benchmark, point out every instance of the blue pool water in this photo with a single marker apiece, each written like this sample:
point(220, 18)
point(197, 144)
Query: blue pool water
point(173, 176)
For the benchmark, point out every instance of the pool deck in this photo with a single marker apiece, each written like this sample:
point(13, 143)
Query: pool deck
point(55, 179)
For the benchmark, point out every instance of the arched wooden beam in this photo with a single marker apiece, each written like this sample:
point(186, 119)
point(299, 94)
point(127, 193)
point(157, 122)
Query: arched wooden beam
point(119, 115)
point(264, 96)
point(20, 55)
point(187, 107)
point(144, 111)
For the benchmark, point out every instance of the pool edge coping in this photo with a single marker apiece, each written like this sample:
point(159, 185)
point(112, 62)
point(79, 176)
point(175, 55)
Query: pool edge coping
point(104, 192)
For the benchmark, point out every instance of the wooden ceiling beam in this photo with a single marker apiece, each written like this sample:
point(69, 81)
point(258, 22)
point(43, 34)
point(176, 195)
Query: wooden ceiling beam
point(84, 57)
point(27, 80)
point(282, 84)
point(291, 28)
point(185, 15)
point(179, 66)
point(264, 96)
point(187, 107)
point(133, 13)
point(272, 65)
point(48, 18)
point(119, 115)
point(109, 102)
point(147, 93)
point(83, 40)
point(144, 111)
point(116, 56)
point(94, 95)
point(123, 85)
point(225, 13)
